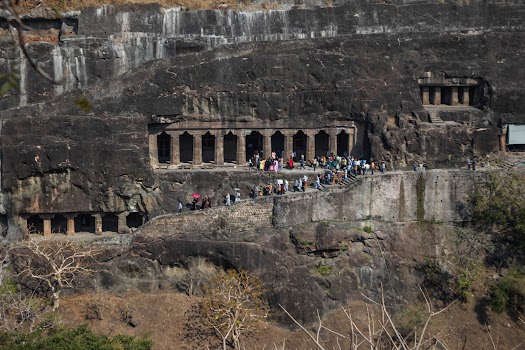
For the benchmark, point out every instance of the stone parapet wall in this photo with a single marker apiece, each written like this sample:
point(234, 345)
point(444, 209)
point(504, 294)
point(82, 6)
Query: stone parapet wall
point(431, 196)
point(436, 196)
point(245, 216)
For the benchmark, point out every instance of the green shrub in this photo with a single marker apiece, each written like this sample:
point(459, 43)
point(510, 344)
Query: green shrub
point(509, 294)
point(368, 229)
point(80, 338)
point(305, 241)
point(323, 270)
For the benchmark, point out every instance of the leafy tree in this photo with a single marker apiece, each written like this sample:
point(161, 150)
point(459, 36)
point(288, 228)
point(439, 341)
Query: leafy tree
point(80, 338)
point(500, 202)
point(499, 205)
point(234, 306)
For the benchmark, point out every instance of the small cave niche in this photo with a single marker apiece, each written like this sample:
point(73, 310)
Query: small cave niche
point(439, 89)
point(3, 225)
point(35, 224)
point(134, 220)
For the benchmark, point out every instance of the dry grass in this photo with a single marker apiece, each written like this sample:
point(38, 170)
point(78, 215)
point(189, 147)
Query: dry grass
point(65, 5)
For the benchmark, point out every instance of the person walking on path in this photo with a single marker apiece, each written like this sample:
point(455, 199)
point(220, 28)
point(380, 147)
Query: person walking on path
point(228, 200)
point(415, 165)
point(468, 163)
point(382, 167)
point(474, 164)
point(180, 207)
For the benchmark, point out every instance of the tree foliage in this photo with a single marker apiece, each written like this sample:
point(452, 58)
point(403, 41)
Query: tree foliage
point(500, 201)
point(80, 338)
point(499, 205)
point(234, 306)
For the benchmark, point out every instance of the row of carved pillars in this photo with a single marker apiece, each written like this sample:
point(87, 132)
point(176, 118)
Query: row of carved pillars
point(173, 141)
point(435, 95)
point(94, 222)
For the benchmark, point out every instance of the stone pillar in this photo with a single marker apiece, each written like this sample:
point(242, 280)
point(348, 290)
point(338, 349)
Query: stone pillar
point(288, 143)
point(175, 148)
point(333, 140)
point(98, 223)
point(437, 95)
point(503, 138)
point(47, 224)
point(122, 224)
point(267, 143)
point(425, 95)
point(466, 96)
point(219, 148)
point(197, 149)
point(310, 145)
point(70, 224)
point(455, 96)
point(351, 140)
point(153, 150)
point(241, 148)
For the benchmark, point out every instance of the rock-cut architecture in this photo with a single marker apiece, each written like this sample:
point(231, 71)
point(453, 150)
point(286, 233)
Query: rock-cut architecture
point(152, 97)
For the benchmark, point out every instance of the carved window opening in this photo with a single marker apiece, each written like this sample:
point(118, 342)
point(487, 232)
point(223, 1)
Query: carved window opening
point(322, 144)
point(208, 148)
point(230, 148)
point(59, 224)
point(85, 223)
point(278, 143)
point(164, 148)
point(254, 144)
point(300, 142)
point(186, 147)
point(110, 223)
point(342, 143)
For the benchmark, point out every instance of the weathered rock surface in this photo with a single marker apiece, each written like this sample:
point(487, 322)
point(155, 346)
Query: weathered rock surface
point(143, 65)
point(345, 262)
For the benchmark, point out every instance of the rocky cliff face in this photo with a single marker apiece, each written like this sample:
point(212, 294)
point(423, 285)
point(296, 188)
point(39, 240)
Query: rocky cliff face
point(142, 65)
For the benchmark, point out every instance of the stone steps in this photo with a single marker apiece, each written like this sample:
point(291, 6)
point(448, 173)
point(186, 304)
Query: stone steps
point(510, 163)
point(434, 118)
point(350, 180)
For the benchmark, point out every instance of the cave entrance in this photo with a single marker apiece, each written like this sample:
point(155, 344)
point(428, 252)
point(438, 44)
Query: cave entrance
point(59, 224)
point(85, 223)
point(342, 144)
point(3, 225)
point(35, 224)
point(208, 148)
point(230, 148)
point(164, 148)
point(110, 223)
point(186, 147)
point(322, 144)
point(446, 95)
point(299, 144)
point(254, 143)
point(432, 95)
point(134, 220)
point(278, 144)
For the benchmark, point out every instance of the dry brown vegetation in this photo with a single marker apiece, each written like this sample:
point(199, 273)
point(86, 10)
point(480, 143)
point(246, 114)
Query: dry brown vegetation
point(65, 5)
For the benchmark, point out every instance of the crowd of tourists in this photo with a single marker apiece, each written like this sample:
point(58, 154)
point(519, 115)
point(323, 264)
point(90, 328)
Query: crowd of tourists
point(335, 171)
point(355, 165)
